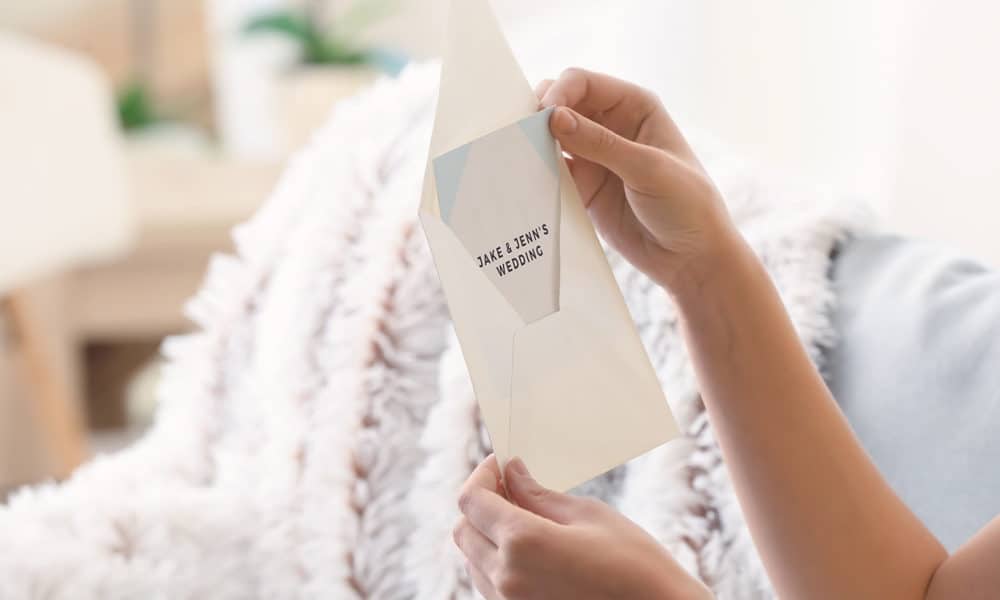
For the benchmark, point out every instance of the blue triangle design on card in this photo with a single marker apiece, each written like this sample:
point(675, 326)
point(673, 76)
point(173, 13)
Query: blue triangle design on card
point(448, 169)
point(536, 128)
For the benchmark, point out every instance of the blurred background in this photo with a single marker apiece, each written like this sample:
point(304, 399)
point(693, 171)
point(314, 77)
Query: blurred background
point(135, 133)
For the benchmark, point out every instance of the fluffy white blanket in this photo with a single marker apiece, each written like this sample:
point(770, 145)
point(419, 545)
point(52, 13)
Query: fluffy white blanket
point(313, 434)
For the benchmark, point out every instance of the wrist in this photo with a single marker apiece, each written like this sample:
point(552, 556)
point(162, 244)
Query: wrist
point(725, 258)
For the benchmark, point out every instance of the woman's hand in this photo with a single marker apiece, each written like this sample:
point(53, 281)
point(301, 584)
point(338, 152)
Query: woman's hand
point(546, 545)
point(646, 192)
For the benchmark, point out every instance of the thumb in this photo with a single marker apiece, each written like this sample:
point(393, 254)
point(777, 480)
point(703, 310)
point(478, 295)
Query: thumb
point(636, 164)
point(530, 495)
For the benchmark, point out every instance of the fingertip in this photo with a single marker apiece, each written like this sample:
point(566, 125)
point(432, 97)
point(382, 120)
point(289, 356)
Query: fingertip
point(542, 89)
point(549, 100)
point(532, 496)
point(520, 482)
point(493, 466)
point(553, 95)
point(517, 468)
point(563, 121)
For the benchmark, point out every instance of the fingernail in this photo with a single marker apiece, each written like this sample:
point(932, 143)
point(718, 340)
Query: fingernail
point(518, 467)
point(563, 121)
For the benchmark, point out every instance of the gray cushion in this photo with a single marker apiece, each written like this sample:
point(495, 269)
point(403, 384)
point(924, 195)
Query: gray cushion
point(917, 372)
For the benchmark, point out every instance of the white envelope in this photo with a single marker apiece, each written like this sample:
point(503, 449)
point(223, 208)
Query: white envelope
point(572, 393)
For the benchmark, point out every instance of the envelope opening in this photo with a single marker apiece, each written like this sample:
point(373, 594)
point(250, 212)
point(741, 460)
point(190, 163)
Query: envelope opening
point(500, 195)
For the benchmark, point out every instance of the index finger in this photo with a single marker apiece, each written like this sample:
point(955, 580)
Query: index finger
point(618, 105)
point(625, 108)
point(486, 475)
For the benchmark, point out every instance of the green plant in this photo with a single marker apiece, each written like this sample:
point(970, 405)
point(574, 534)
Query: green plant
point(336, 43)
point(136, 109)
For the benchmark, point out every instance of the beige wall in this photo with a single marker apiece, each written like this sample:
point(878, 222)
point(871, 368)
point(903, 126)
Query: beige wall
point(32, 13)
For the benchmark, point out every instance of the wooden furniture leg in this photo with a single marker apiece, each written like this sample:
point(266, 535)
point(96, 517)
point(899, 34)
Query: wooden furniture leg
point(52, 398)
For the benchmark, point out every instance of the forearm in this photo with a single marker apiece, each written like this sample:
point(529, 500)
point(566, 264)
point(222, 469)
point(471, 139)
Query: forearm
point(826, 523)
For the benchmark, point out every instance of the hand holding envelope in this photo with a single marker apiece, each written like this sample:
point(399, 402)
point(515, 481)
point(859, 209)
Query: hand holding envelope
point(558, 369)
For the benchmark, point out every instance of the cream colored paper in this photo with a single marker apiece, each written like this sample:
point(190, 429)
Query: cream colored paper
point(573, 393)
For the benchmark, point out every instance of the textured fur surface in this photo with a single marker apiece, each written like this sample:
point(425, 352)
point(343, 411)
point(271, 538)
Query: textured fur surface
point(313, 434)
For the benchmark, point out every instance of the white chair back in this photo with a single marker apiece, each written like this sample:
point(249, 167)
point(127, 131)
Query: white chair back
point(63, 195)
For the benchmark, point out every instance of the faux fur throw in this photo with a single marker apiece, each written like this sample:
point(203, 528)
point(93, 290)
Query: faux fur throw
point(314, 432)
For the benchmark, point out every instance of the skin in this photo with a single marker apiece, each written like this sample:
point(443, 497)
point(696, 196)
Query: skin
point(542, 544)
point(826, 523)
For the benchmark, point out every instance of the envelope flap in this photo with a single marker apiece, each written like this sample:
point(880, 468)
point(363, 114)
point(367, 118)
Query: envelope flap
point(482, 85)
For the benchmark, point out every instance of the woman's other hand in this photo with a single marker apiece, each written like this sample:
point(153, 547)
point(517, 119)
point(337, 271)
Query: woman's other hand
point(542, 544)
point(646, 192)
